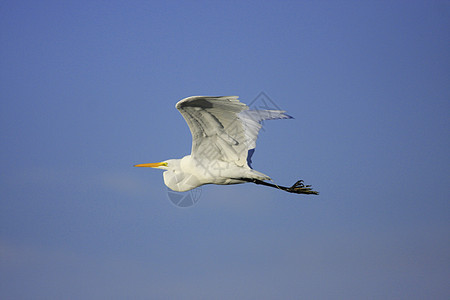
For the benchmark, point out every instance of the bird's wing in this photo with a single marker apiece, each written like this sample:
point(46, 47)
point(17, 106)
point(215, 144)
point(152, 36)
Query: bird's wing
point(217, 131)
point(223, 128)
point(251, 120)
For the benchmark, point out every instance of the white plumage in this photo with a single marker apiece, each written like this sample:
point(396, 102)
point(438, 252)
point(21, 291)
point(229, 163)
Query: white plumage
point(224, 132)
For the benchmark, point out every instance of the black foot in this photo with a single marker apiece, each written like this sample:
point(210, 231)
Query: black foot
point(300, 188)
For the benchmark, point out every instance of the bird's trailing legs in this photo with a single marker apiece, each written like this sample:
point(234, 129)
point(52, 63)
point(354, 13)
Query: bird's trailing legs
point(298, 187)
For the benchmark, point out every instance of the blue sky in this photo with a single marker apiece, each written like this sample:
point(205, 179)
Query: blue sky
point(89, 87)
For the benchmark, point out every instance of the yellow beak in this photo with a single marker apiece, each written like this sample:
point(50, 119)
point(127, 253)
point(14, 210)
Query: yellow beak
point(152, 165)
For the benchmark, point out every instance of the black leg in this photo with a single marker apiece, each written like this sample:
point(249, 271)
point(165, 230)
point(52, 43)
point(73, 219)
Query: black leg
point(298, 187)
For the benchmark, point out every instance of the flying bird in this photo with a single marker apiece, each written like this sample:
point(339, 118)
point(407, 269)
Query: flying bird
point(224, 132)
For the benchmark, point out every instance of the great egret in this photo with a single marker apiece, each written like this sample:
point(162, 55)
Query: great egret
point(224, 132)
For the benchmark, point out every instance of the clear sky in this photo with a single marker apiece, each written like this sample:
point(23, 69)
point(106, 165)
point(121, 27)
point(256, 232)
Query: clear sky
point(88, 89)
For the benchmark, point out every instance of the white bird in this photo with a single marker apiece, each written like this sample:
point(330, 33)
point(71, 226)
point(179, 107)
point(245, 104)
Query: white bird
point(224, 132)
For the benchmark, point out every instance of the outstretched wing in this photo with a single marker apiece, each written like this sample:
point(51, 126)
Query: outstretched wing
point(223, 128)
point(217, 132)
point(251, 120)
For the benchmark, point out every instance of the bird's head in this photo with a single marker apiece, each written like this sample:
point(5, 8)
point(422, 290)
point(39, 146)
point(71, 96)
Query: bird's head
point(164, 165)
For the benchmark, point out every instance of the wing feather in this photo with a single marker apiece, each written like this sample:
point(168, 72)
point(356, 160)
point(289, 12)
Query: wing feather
point(223, 128)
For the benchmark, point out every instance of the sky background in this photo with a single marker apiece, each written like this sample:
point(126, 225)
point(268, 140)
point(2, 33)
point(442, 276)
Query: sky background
point(88, 89)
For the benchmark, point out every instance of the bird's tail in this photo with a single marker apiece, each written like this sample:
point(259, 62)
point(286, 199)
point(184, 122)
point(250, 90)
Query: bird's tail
point(258, 175)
